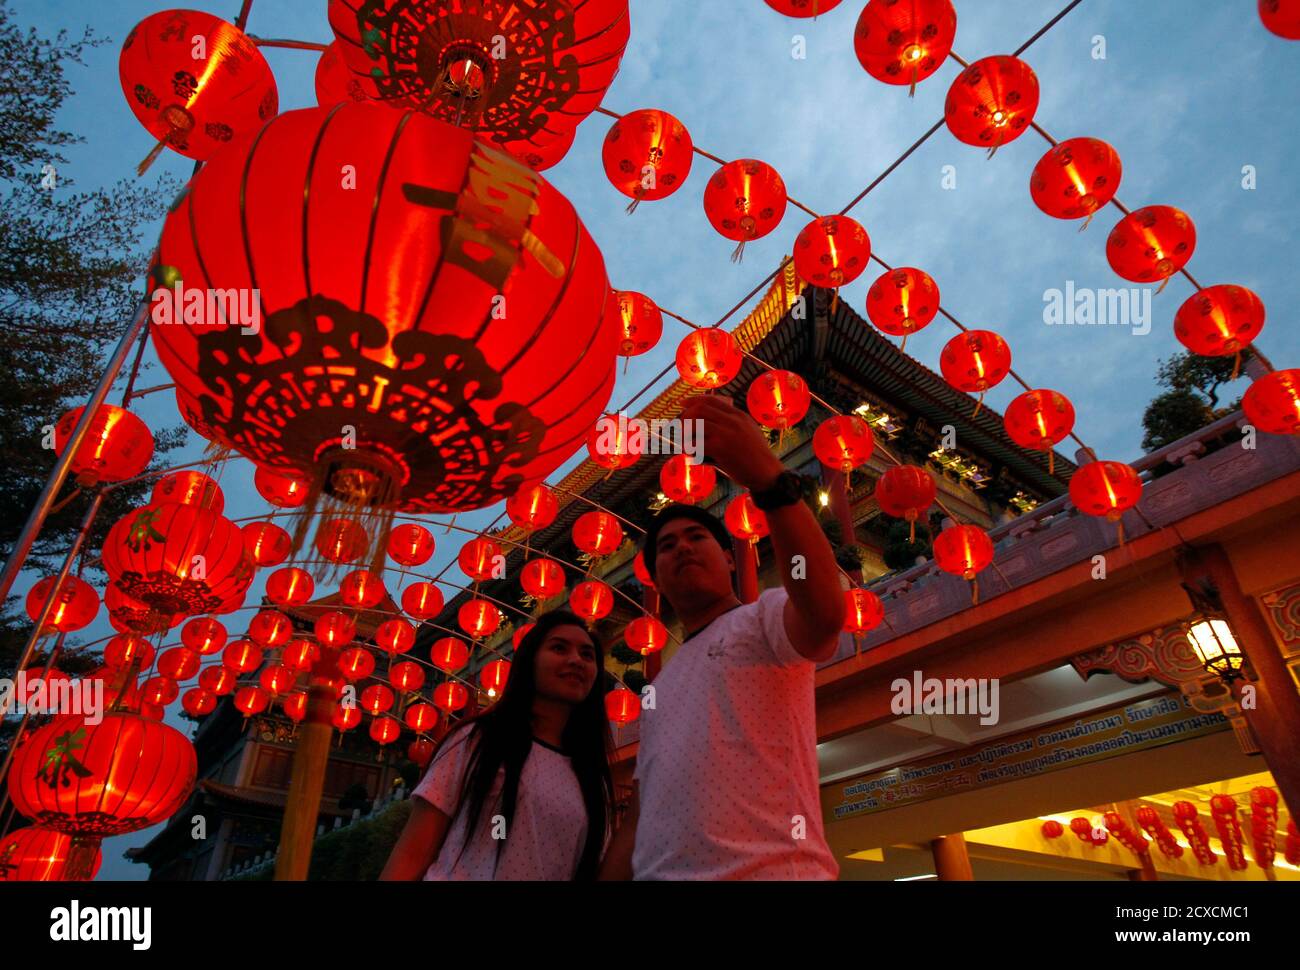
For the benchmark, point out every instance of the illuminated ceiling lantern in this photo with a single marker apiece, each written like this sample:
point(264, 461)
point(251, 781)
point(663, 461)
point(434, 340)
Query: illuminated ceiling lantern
point(277, 679)
point(421, 717)
point(493, 677)
point(345, 718)
point(242, 656)
point(640, 572)
point(974, 361)
point(597, 533)
point(450, 696)
point(376, 699)
point(341, 540)
point(963, 550)
point(198, 701)
point(362, 589)
point(1038, 420)
point(612, 445)
point(708, 358)
point(395, 635)
point(452, 402)
point(685, 481)
point(267, 543)
point(518, 75)
point(533, 507)
point(75, 604)
point(778, 399)
point(592, 600)
point(270, 628)
point(220, 680)
point(479, 558)
point(335, 82)
point(843, 442)
point(518, 636)
point(646, 635)
point(35, 854)
point(410, 545)
point(189, 487)
point(1152, 243)
point(903, 301)
point(832, 251)
point(478, 618)
point(745, 200)
point(335, 629)
point(904, 42)
point(294, 705)
point(640, 322)
point(1219, 320)
point(356, 663)
point(744, 519)
point(290, 587)
point(647, 155)
point(863, 611)
point(117, 445)
point(449, 654)
point(1076, 178)
point(1272, 402)
point(385, 730)
point(179, 663)
point(906, 492)
point(124, 649)
point(422, 601)
point(1281, 17)
point(300, 654)
point(252, 700)
point(406, 675)
point(128, 615)
point(177, 558)
point(622, 706)
point(195, 82)
point(283, 488)
point(992, 102)
point(542, 578)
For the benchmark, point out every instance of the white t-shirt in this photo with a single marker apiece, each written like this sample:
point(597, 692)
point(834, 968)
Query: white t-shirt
point(727, 763)
point(544, 842)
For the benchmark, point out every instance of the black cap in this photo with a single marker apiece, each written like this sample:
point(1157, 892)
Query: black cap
point(681, 511)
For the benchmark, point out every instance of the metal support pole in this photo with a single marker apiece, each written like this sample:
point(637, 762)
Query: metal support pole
point(59, 474)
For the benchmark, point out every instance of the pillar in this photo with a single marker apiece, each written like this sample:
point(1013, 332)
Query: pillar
point(746, 557)
point(307, 780)
point(951, 860)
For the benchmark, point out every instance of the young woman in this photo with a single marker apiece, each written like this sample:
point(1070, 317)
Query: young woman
point(523, 790)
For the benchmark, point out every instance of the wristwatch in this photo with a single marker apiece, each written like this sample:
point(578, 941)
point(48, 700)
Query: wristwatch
point(786, 490)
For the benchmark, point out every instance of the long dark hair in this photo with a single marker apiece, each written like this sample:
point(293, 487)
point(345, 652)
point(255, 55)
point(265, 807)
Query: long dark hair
point(505, 736)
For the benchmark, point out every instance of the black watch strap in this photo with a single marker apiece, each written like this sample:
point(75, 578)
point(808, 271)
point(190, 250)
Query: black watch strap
point(786, 490)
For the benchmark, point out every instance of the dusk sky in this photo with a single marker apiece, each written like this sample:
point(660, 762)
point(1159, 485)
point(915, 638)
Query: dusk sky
point(1187, 93)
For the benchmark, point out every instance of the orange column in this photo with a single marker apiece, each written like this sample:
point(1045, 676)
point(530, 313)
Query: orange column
point(746, 557)
point(951, 860)
point(836, 484)
point(307, 780)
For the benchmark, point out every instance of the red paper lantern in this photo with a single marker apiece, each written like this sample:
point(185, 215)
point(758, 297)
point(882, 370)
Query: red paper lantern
point(992, 102)
point(294, 705)
point(610, 445)
point(778, 399)
point(267, 543)
point(597, 533)
point(646, 635)
point(843, 442)
point(744, 519)
point(1038, 420)
point(1281, 17)
point(622, 706)
point(592, 600)
point(179, 663)
point(449, 654)
point(532, 508)
point(406, 675)
point(542, 578)
point(335, 81)
point(376, 699)
point(478, 618)
point(189, 488)
point(1105, 488)
point(640, 572)
point(395, 636)
point(493, 677)
point(278, 679)
point(905, 492)
point(335, 628)
point(290, 587)
point(832, 251)
point(124, 650)
point(540, 158)
point(802, 8)
point(518, 636)
point(708, 358)
point(283, 488)
point(480, 559)
point(744, 201)
point(975, 360)
point(1272, 402)
point(963, 550)
point(421, 751)
point(356, 663)
point(453, 404)
point(685, 481)
point(198, 701)
point(128, 615)
point(385, 730)
point(177, 558)
point(422, 601)
point(1052, 829)
point(450, 696)
point(116, 446)
point(219, 680)
point(904, 42)
point(1151, 243)
point(36, 854)
point(345, 718)
point(903, 301)
point(647, 155)
point(75, 603)
point(362, 590)
point(341, 540)
point(300, 654)
point(1075, 178)
point(421, 717)
point(242, 656)
point(640, 323)
point(195, 104)
point(1219, 320)
point(270, 628)
point(863, 611)
point(410, 545)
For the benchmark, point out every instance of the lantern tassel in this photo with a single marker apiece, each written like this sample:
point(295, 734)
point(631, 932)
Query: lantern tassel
point(1087, 221)
point(632, 206)
point(451, 523)
point(1236, 367)
point(625, 360)
point(1051, 461)
point(911, 535)
point(152, 157)
point(1119, 525)
point(975, 591)
point(903, 347)
point(911, 89)
point(1163, 284)
point(835, 300)
point(979, 403)
point(738, 253)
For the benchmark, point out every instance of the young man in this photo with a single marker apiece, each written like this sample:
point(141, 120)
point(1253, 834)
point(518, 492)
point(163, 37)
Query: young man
point(726, 777)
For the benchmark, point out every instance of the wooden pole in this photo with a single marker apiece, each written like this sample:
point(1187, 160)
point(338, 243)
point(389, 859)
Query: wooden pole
point(307, 780)
point(951, 860)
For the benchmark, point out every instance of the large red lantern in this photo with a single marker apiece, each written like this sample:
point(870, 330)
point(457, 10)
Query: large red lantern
point(410, 545)
point(1219, 320)
point(478, 618)
point(335, 81)
point(904, 42)
point(1152, 243)
point(335, 628)
point(480, 559)
point(963, 550)
point(1105, 488)
point(542, 578)
point(597, 533)
point(903, 301)
point(421, 717)
point(362, 590)
point(863, 611)
point(36, 854)
point(622, 706)
point(493, 677)
point(345, 718)
point(1272, 402)
point(124, 650)
point(906, 492)
point(252, 700)
point(709, 358)
point(1075, 178)
point(198, 702)
point(843, 442)
point(128, 614)
point(518, 636)
point(189, 487)
point(647, 155)
point(449, 654)
point(195, 82)
point(974, 361)
point(376, 699)
point(778, 399)
point(395, 635)
point(1039, 420)
point(278, 679)
point(640, 572)
point(685, 481)
point(640, 323)
point(179, 663)
point(1281, 17)
point(219, 680)
point(611, 445)
point(290, 587)
point(421, 750)
point(406, 675)
point(300, 654)
point(532, 508)
point(450, 696)
point(116, 446)
point(646, 635)
point(992, 102)
point(356, 663)
point(802, 8)
point(385, 730)
point(294, 705)
point(177, 558)
point(283, 488)
point(267, 543)
point(341, 540)
point(242, 656)
point(832, 251)
point(517, 76)
point(745, 200)
point(75, 604)
point(592, 600)
point(422, 601)
point(450, 403)
point(270, 628)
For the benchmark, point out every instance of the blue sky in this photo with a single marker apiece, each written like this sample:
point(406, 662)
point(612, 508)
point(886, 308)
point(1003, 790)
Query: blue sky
point(1187, 93)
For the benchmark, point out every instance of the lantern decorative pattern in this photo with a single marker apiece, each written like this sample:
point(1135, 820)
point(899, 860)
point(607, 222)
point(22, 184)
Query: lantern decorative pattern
point(335, 81)
point(974, 361)
point(745, 200)
point(410, 545)
point(1076, 178)
point(843, 442)
point(267, 543)
point(1272, 402)
point(189, 487)
point(863, 611)
point(1039, 420)
point(778, 399)
point(832, 251)
point(1219, 320)
point(708, 358)
point(647, 155)
point(685, 481)
point(904, 43)
point(36, 854)
point(1150, 244)
point(640, 322)
point(992, 102)
point(903, 301)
